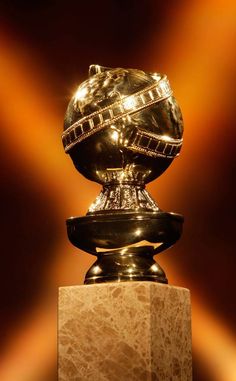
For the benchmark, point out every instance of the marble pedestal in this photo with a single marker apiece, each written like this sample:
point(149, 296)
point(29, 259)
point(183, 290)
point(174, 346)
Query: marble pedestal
point(130, 331)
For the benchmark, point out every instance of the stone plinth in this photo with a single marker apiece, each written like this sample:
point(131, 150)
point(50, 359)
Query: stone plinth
point(130, 331)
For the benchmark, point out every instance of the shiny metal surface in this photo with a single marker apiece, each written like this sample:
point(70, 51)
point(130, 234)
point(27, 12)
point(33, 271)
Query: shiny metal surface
point(135, 265)
point(104, 232)
point(122, 118)
point(123, 128)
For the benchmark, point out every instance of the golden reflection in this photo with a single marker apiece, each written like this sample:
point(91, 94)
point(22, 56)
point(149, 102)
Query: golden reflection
point(81, 94)
point(166, 138)
point(154, 268)
point(129, 103)
point(115, 136)
point(96, 270)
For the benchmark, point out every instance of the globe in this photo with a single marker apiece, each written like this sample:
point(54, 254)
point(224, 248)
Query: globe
point(123, 125)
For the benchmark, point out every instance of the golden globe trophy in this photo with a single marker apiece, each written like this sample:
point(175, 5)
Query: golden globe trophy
point(123, 128)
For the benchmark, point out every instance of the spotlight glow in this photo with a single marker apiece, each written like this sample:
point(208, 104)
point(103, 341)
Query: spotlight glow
point(81, 93)
point(129, 103)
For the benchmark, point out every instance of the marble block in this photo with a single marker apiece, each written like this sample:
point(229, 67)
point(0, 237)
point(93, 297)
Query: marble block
point(129, 331)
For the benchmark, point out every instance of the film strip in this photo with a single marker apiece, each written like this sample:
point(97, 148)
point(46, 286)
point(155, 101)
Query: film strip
point(128, 105)
point(155, 145)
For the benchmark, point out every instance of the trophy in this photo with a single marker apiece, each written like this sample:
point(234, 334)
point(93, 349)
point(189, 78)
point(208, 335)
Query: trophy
point(123, 128)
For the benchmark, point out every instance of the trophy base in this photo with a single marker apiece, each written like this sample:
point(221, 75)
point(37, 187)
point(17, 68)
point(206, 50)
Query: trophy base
point(125, 243)
point(128, 264)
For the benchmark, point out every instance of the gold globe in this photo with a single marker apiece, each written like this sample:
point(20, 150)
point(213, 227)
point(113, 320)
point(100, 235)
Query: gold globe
point(122, 123)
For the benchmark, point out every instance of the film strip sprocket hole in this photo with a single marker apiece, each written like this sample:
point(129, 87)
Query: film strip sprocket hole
point(94, 122)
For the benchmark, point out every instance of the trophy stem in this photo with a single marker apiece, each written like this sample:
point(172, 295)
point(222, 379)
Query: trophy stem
point(119, 197)
point(127, 264)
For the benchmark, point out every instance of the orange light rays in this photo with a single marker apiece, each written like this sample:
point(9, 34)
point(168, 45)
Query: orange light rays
point(199, 51)
point(32, 350)
point(214, 343)
point(32, 125)
point(30, 131)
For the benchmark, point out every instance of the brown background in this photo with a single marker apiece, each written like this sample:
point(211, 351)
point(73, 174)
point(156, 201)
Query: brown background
point(45, 51)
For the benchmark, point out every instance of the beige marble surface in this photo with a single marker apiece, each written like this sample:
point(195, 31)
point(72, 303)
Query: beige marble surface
point(130, 331)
